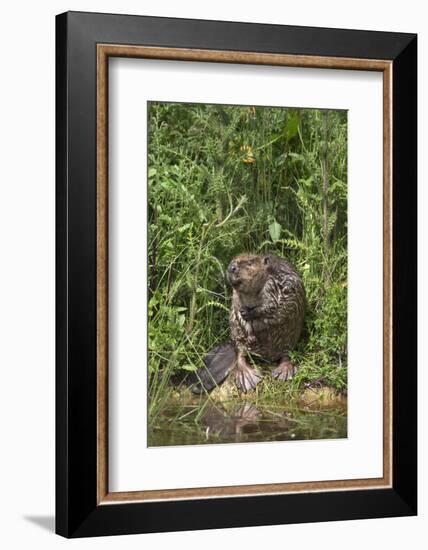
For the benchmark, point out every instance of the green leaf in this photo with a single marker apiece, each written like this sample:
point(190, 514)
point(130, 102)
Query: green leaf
point(292, 126)
point(181, 320)
point(184, 227)
point(275, 231)
point(296, 156)
point(190, 368)
point(152, 172)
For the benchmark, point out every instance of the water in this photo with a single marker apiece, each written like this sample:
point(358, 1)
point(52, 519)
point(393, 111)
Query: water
point(244, 422)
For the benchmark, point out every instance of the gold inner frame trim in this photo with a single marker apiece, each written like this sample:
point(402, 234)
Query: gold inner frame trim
point(104, 51)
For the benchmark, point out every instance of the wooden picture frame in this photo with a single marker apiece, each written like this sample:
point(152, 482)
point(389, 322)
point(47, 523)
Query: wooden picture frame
point(84, 505)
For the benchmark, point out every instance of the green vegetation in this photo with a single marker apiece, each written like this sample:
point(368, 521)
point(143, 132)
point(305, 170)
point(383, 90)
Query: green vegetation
point(224, 180)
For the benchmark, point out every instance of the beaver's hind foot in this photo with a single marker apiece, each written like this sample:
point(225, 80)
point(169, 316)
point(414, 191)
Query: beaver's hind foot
point(247, 377)
point(285, 370)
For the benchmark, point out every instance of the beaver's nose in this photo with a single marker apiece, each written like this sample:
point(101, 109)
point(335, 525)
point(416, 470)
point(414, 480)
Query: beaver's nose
point(233, 268)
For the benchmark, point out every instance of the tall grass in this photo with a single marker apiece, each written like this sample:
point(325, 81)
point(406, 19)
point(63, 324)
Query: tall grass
point(228, 179)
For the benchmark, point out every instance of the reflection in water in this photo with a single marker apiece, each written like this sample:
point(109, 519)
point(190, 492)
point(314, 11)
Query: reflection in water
point(244, 422)
point(231, 426)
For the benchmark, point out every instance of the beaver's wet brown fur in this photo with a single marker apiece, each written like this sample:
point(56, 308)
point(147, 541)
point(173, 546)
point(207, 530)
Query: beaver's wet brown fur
point(266, 319)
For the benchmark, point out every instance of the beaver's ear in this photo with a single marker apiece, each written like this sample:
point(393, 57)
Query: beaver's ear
point(269, 261)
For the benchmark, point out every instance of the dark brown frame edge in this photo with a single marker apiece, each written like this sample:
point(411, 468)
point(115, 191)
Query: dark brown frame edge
point(77, 510)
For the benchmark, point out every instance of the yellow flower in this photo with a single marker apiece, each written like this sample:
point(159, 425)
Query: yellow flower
point(247, 151)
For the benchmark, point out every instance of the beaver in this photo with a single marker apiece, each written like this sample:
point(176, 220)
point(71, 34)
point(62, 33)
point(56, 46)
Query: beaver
point(266, 320)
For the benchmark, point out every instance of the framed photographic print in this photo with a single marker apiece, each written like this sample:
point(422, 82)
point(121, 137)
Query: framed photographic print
point(236, 274)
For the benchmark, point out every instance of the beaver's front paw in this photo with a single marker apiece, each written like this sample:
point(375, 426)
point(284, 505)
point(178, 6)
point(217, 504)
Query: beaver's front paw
point(251, 340)
point(248, 313)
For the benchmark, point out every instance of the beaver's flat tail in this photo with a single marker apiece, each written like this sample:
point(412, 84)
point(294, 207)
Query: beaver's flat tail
point(218, 364)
